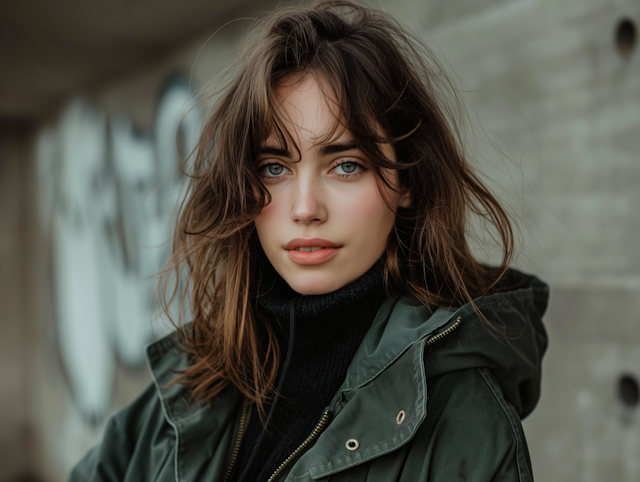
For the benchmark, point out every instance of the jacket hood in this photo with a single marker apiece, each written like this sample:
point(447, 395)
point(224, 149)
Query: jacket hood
point(513, 351)
point(458, 338)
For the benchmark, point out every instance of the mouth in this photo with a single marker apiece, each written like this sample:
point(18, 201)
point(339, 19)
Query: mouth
point(310, 244)
point(309, 252)
point(313, 251)
point(319, 256)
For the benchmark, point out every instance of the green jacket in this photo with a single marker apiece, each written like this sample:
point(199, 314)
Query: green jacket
point(428, 397)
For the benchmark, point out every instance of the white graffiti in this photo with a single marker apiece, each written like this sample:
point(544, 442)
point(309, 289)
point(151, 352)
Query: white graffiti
point(108, 197)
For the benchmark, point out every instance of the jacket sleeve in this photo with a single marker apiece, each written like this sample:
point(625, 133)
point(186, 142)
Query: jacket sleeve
point(471, 433)
point(115, 458)
point(108, 461)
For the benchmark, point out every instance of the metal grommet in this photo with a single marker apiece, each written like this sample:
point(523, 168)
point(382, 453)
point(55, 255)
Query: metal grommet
point(400, 417)
point(352, 444)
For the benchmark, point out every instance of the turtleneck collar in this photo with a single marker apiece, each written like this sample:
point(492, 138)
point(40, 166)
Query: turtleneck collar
point(322, 316)
point(275, 294)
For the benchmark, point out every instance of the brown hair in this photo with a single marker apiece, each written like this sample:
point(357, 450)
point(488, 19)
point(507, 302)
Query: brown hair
point(383, 79)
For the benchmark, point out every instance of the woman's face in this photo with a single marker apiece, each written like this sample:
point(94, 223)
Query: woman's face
point(329, 199)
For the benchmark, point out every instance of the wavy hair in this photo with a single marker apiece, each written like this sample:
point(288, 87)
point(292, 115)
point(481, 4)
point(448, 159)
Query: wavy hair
point(388, 88)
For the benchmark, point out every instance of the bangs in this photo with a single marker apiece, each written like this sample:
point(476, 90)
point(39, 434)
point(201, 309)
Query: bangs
point(274, 128)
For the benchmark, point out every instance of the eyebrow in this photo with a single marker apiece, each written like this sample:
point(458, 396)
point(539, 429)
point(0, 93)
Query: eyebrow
point(337, 147)
point(325, 150)
point(274, 151)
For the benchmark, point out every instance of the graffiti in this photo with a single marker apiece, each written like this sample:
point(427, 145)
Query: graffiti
point(108, 197)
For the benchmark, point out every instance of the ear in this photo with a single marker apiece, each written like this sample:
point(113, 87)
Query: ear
point(405, 200)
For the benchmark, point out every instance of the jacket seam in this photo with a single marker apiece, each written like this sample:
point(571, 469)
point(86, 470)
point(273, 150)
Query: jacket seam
point(533, 291)
point(341, 457)
point(524, 473)
point(408, 428)
point(174, 425)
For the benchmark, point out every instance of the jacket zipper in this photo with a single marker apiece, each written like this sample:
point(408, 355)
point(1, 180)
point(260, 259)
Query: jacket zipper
point(444, 333)
point(311, 438)
point(244, 421)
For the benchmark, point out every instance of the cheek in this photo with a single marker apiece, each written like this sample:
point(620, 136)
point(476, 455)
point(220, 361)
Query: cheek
point(365, 217)
point(268, 224)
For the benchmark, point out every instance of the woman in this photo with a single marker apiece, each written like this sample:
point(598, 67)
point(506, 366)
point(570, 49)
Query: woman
point(342, 329)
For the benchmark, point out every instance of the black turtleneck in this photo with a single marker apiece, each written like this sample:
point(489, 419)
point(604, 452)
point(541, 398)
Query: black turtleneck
point(327, 331)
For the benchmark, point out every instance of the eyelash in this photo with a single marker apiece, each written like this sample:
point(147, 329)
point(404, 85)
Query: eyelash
point(342, 176)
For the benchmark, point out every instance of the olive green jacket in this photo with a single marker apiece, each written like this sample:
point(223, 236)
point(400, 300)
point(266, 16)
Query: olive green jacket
point(428, 397)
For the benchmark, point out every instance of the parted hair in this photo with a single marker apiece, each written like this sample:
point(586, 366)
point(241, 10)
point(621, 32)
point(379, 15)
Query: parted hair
point(388, 87)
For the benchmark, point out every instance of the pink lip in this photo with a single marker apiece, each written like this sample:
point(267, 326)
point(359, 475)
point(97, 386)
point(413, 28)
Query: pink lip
point(315, 257)
point(309, 243)
point(318, 256)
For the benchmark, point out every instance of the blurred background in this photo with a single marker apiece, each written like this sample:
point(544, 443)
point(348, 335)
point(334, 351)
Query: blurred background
point(91, 96)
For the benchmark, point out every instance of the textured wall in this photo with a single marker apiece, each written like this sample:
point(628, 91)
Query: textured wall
point(13, 357)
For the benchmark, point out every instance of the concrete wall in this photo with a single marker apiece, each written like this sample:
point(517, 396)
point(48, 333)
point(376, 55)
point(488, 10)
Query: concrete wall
point(13, 336)
point(557, 116)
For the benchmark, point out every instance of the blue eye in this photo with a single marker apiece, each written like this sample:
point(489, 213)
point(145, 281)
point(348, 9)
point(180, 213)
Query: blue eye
point(272, 170)
point(348, 167)
point(346, 170)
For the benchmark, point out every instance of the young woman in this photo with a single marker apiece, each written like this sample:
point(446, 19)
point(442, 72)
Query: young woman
point(341, 327)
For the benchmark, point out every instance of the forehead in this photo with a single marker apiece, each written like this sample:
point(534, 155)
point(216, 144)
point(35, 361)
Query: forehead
point(307, 109)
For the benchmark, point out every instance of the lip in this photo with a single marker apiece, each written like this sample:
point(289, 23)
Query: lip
point(310, 242)
point(318, 256)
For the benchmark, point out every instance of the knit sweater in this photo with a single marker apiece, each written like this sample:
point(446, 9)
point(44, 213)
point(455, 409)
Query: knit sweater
point(319, 334)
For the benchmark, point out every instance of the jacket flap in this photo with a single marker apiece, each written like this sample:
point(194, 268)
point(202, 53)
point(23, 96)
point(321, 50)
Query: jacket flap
point(397, 325)
point(381, 400)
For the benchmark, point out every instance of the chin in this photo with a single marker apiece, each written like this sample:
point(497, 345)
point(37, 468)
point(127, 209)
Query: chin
point(314, 284)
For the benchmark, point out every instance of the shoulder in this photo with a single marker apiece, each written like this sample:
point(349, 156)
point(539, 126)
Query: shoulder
point(143, 423)
point(471, 431)
point(503, 333)
point(140, 424)
point(471, 400)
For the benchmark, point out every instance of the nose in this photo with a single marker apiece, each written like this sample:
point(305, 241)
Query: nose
point(308, 204)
